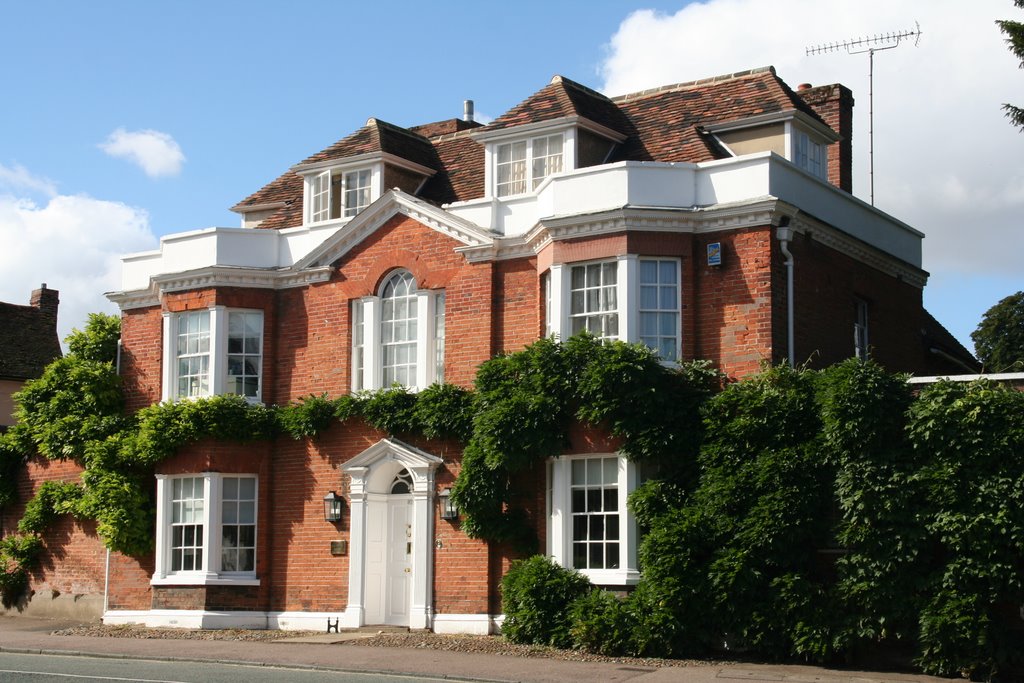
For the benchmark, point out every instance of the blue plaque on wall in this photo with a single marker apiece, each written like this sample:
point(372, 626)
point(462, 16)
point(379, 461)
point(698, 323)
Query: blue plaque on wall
point(715, 254)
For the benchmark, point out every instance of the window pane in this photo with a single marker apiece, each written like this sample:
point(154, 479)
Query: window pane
point(579, 469)
point(597, 556)
point(596, 527)
point(648, 297)
point(648, 272)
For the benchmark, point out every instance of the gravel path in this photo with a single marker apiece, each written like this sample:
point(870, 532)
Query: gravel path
point(433, 641)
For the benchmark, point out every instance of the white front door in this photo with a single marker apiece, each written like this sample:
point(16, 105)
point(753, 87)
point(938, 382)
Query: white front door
point(399, 564)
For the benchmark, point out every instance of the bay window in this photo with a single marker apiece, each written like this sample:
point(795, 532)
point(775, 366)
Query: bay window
point(211, 352)
point(629, 298)
point(206, 529)
point(398, 336)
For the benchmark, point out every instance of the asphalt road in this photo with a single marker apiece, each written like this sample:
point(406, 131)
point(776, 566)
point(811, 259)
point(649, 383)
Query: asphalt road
point(29, 668)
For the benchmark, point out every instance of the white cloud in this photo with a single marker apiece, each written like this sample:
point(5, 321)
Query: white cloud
point(154, 152)
point(73, 244)
point(17, 178)
point(946, 159)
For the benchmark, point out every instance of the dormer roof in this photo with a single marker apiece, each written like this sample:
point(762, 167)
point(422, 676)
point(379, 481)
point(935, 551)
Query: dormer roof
point(383, 138)
point(564, 98)
point(673, 123)
point(669, 121)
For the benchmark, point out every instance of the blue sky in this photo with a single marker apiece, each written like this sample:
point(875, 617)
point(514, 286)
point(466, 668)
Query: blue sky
point(125, 121)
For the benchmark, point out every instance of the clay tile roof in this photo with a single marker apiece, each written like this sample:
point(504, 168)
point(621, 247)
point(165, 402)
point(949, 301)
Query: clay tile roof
point(446, 127)
point(28, 340)
point(462, 159)
point(661, 124)
point(282, 189)
point(375, 136)
point(668, 121)
point(380, 136)
point(559, 99)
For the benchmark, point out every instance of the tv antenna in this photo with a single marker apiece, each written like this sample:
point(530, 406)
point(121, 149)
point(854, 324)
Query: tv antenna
point(871, 45)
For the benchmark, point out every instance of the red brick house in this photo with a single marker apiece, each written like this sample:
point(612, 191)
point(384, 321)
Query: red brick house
point(709, 220)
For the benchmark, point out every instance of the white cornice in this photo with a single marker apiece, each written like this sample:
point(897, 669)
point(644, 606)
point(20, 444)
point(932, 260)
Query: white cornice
point(217, 276)
point(860, 251)
point(551, 125)
point(393, 202)
point(243, 208)
point(344, 163)
point(761, 212)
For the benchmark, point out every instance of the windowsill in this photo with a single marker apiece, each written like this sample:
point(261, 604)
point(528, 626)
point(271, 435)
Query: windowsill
point(203, 580)
point(612, 577)
point(251, 400)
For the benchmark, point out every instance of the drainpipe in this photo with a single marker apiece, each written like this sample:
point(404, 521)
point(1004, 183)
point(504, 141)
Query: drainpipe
point(784, 234)
point(106, 585)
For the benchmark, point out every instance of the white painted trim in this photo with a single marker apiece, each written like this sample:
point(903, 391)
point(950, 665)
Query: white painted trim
point(361, 470)
point(472, 624)
point(995, 377)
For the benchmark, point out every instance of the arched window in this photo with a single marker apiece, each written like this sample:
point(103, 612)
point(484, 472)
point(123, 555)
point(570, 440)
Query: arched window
point(402, 482)
point(398, 336)
point(398, 317)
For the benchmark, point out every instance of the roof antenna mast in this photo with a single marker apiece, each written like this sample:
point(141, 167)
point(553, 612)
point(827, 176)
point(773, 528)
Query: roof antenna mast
point(871, 45)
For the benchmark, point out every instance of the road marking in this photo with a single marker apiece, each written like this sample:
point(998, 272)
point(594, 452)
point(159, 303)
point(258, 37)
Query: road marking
point(92, 678)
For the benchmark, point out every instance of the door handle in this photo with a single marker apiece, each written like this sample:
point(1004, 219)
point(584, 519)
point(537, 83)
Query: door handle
point(408, 548)
point(407, 570)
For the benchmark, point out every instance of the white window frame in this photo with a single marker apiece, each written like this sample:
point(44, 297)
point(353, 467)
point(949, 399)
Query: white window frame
point(367, 338)
point(217, 365)
point(560, 522)
point(558, 291)
point(533, 153)
point(320, 188)
point(659, 311)
point(210, 571)
point(861, 349)
point(809, 153)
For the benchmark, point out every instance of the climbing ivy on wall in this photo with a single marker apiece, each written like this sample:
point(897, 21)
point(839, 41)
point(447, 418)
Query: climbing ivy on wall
point(757, 486)
point(919, 498)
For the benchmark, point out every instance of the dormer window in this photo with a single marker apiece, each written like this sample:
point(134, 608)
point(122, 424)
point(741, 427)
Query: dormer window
point(523, 165)
point(809, 154)
point(336, 194)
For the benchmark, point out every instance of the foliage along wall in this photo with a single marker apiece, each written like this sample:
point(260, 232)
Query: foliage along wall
point(795, 513)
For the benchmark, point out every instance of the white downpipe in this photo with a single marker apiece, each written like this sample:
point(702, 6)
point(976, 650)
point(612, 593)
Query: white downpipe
point(106, 578)
point(784, 234)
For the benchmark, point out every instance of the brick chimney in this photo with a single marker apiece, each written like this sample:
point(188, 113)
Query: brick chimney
point(47, 301)
point(834, 104)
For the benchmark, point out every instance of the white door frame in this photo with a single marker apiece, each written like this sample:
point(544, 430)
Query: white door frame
point(372, 472)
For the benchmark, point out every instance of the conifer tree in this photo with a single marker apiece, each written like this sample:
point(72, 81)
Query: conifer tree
point(1014, 32)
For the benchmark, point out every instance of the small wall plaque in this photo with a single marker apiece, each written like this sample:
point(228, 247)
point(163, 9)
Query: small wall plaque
point(715, 254)
point(339, 547)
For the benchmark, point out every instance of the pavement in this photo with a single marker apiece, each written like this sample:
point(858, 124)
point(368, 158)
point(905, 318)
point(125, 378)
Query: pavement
point(340, 652)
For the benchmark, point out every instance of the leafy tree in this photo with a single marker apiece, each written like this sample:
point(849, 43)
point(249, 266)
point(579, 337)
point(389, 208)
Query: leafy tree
point(1014, 32)
point(98, 342)
point(999, 339)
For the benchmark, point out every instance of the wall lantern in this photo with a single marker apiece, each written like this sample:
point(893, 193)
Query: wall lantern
point(448, 509)
point(332, 507)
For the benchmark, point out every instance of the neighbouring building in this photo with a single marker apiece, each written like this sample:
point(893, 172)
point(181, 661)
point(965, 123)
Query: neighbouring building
point(710, 220)
point(28, 343)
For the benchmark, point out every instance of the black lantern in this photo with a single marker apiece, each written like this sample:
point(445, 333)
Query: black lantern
point(332, 507)
point(448, 509)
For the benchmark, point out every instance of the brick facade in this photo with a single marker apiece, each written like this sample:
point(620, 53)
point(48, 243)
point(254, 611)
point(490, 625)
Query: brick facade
point(733, 314)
